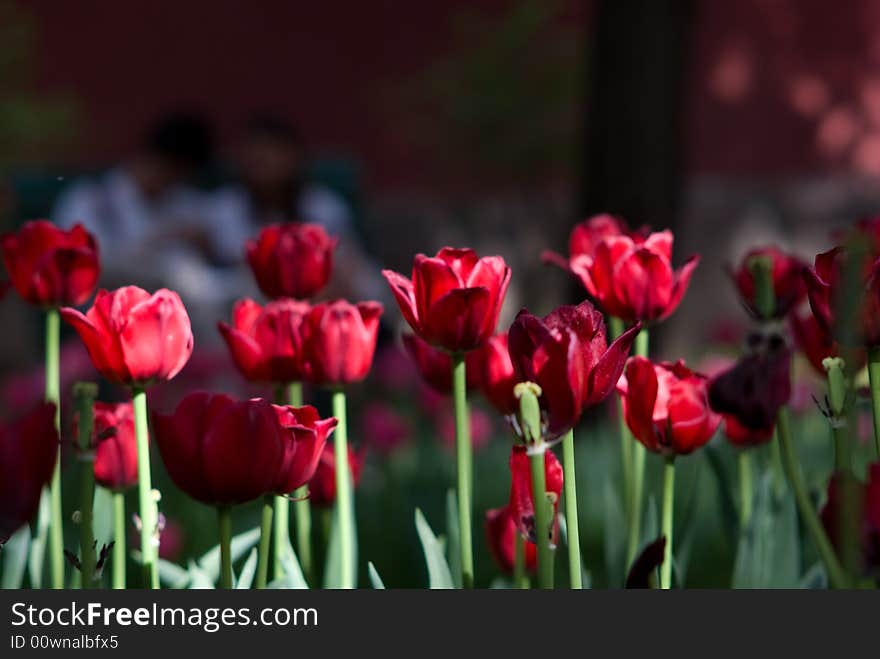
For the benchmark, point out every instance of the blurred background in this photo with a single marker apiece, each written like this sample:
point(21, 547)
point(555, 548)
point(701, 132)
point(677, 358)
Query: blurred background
point(175, 130)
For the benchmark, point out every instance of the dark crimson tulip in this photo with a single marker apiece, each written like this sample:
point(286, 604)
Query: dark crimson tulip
point(292, 259)
point(496, 374)
point(666, 406)
point(522, 502)
point(453, 299)
point(567, 355)
point(757, 385)
point(28, 449)
point(322, 486)
point(788, 281)
point(435, 365)
point(223, 451)
point(51, 267)
point(631, 277)
point(501, 536)
point(586, 236)
point(868, 496)
point(266, 342)
point(135, 338)
point(339, 339)
point(114, 444)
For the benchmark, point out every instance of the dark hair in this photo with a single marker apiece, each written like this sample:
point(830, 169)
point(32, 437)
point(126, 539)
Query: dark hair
point(184, 139)
point(272, 127)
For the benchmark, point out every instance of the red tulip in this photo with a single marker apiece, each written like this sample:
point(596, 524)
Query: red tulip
point(496, 374)
point(816, 344)
point(28, 449)
point(824, 287)
point(51, 267)
point(522, 502)
point(566, 354)
point(666, 406)
point(222, 451)
point(587, 235)
point(113, 441)
point(788, 281)
point(322, 486)
point(868, 495)
point(339, 339)
point(435, 365)
point(454, 298)
point(501, 535)
point(291, 260)
point(632, 277)
point(135, 338)
point(743, 436)
point(266, 342)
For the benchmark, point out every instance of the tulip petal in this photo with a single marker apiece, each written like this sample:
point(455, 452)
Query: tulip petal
point(402, 288)
point(682, 281)
point(246, 353)
point(456, 321)
point(608, 369)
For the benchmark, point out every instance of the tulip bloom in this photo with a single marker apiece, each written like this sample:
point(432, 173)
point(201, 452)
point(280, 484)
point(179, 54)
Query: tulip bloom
point(501, 536)
point(339, 340)
point(113, 441)
point(28, 450)
point(51, 267)
point(322, 486)
point(788, 282)
point(522, 502)
point(291, 260)
point(266, 342)
point(743, 437)
point(135, 338)
point(869, 510)
point(435, 366)
point(586, 236)
point(567, 355)
point(666, 406)
point(497, 376)
point(631, 277)
point(454, 299)
point(222, 451)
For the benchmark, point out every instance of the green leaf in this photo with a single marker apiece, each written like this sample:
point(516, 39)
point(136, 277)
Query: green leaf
point(453, 551)
point(172, 574)
point(293, 577)
point(439, 575)
point(198, 578)
point(815, 578)
point(209, 563)
point(375, 579)
point(38, 542)
point(246, 577)
point(15, 554)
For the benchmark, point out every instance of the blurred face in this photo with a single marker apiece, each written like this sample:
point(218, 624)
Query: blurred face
point(269, 164)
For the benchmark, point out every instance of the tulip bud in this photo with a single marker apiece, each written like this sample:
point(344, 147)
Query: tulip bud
point(291, 260)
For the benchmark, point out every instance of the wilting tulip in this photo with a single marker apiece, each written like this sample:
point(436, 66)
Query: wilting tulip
point(51, 267)
point(291, 260)
point(567, 355)
point(339, 339)
point(135, 338)
point(435, 365)
point(586, 236)
point(453, 299)
point(522, 502)
point(501, 536)
point(222, 451)
point(787, 275)
point(114, 444)
point(266, 342)
point(666, 406)
point(868, 498)
point(322, 486)
point(496, 374)
point(28, 449)
point(757, 386)
point(632, 277)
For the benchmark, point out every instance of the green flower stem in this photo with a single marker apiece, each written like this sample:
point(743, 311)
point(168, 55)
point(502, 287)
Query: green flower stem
point(118, 541)
point(265, 538)
point(745, 488)
point(874, 377)
point(638, 473)
point(53, 389)
point(463, 461)
point(520, 579)
point(302, 511)
point(836, 575)
point(344, 502)
point(666, 521)
point(84, 394)
point(224, 524)
point(626, 439)
point(571, 511)
point(281, 514)
point(147, 505)
point(543, 520)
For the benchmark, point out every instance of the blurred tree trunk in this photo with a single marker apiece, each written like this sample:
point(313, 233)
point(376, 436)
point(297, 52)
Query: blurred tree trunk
point(633, 148)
